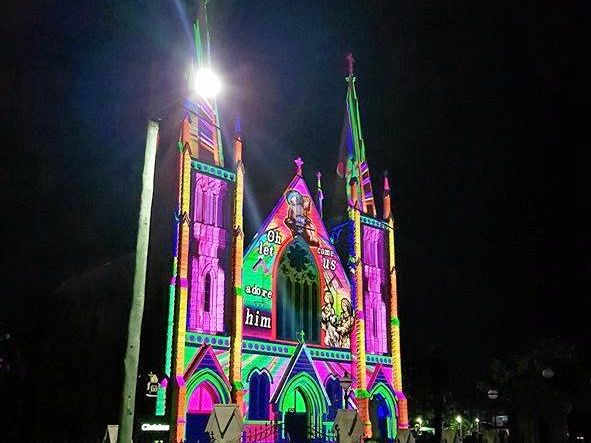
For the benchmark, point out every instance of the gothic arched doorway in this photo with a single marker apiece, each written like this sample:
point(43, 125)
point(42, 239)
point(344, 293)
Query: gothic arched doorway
point(297, 294)
point(302, 406)
point(382, 413)
point(204, 390)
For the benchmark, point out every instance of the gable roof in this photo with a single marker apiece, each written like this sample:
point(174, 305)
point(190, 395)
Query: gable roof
point(300, 362)
point(377, 377)
point(206, 359)
point(296, 181)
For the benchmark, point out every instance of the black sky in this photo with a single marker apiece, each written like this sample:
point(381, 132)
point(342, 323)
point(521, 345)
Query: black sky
point(478, 112)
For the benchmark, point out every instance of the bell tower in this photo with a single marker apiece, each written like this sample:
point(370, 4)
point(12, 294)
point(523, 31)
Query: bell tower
point(205, 283)
point(371, 261)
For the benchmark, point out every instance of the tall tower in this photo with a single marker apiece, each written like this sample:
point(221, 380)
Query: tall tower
point(206, 278)
point(371, 264)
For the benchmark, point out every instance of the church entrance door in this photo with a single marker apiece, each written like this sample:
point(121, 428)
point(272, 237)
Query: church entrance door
point(199, 409)
point(296, 426)
point(379, 413)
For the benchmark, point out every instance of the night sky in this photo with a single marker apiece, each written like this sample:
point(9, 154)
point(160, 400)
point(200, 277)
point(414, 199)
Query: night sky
point(477, 111)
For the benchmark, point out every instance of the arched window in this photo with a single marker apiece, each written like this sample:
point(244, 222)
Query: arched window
point(207, 293)
point(335, 394)
point(297, 294)
point(258, 396)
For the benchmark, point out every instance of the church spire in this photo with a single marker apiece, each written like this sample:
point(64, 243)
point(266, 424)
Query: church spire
point(352, 162)
point(206, 143)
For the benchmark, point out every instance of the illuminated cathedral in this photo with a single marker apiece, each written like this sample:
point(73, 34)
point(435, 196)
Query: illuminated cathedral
point(274, 322)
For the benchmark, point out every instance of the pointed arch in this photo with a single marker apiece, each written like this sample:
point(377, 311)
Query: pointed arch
point(383, 394)
point(335, 394)
point(259, 391)
point(296, 289)
point(307, 385)
point(213, 384)
point(206, 302)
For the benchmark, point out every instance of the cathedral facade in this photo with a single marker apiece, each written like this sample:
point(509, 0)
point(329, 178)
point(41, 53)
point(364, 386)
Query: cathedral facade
point(274, 323)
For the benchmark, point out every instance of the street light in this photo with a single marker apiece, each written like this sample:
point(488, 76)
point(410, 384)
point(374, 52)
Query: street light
point(548, 373)
point(206, 83)
point(493, 394)
point(477, 420)
point(345, 383)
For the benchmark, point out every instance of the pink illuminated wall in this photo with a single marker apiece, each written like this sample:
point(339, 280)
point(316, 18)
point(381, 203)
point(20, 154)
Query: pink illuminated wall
point(202, 399)
point(374, 277)
point(208, 253)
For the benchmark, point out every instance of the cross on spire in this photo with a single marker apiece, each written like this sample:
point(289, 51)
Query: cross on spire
point(301, 335)
point(350, 60)
point(299, 162)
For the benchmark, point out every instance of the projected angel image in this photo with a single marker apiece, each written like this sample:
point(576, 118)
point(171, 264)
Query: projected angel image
point(297, 216)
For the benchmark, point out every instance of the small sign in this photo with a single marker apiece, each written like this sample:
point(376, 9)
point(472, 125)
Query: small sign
point(152, 387)
point(155, 427)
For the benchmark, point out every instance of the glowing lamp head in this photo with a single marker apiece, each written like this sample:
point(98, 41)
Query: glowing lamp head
point(419, 421)
point(493, 394)
point(206, 83)
point(459, 419)
point(477, 420)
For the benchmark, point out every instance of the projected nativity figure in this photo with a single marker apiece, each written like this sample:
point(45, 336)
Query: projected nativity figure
point(273, 328)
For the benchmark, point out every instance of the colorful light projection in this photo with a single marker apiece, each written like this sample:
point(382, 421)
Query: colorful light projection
point(374, 273)
point(294, 231)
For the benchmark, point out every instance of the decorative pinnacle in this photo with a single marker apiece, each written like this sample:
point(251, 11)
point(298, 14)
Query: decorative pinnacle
point(350, 60)
point(387, 210)
point(238, 128)
point(299, 162)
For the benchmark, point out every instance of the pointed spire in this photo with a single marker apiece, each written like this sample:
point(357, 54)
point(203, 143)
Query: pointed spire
point(350, 61)
point(238, 128)
point(206, 141)
point(319, 194)
point(352, 150)
point(238, 143)
point(299, 162)
point(387, 208)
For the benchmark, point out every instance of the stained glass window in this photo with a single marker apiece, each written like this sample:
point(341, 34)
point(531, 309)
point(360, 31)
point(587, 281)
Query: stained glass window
point(297, 294)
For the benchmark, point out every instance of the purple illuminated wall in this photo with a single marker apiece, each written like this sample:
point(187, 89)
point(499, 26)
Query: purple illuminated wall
point(208, 255)
point(374, 278)
point(202, 399)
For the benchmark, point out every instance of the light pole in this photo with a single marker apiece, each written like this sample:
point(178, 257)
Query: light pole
point(459, 421)
point(345, 383)
point(477, 425)
point(136, 313)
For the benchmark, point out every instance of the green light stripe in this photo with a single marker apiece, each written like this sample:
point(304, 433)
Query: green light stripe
point(168, 361)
